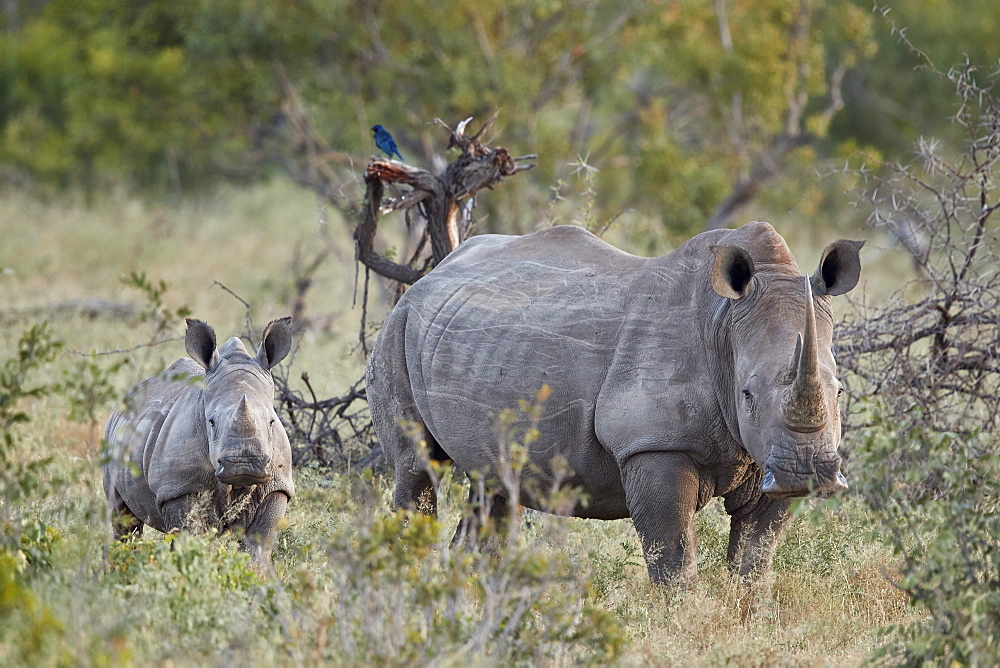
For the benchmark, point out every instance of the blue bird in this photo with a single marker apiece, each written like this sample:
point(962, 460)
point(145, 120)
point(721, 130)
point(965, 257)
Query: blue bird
point(385, 142)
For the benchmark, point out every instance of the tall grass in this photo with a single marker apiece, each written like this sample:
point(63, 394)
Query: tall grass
point(354, 582)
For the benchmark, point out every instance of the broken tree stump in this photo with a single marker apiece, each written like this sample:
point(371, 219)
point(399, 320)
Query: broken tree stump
point(439, 199)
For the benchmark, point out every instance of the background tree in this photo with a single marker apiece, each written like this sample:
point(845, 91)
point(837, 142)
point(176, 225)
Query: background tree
point(683, 107)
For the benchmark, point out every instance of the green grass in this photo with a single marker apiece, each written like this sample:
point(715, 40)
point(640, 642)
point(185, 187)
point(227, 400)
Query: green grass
point(354, 583)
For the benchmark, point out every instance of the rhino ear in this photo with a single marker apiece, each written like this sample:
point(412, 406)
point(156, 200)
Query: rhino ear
point(277, 342)
point(732, 271)
point(839, 268)
point(199, 341)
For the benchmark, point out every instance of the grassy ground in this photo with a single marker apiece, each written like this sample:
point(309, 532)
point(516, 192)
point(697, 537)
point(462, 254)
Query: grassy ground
point(354, 583)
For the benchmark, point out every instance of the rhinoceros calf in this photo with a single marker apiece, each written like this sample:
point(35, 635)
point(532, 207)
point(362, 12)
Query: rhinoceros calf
point(200, 444)
point(705, 372)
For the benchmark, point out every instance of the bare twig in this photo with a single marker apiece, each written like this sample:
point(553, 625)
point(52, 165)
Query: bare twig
point(246, 310)
point(126, 351)
point(935, 362)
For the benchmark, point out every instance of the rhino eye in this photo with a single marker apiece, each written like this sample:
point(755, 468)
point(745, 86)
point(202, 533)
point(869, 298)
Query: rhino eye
point(747, 395)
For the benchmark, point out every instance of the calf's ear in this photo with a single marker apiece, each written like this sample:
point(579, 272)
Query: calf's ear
point(839, 268)
point(277, 342)
point(732, 271)
point(199, 341)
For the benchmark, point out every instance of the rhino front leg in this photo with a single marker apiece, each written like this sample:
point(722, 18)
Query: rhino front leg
point(486, 517)
point(755, 526)
point(661, 490)
point(176, 514)
point(262, 530)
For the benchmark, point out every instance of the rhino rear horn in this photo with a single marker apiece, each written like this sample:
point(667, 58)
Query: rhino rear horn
point(804, 406)
point(276, 343)
point(839, 268)
point(199, 341)
point(732, 271)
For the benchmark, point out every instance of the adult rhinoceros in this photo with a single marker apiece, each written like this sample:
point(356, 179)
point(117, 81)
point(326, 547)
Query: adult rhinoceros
point(705, 372)
point(200, 444)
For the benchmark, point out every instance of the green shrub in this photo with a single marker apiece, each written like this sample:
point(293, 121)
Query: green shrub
point(89, 388)
point(21, 480)
point(402, 594)
point(26, 627)
point(937, 498)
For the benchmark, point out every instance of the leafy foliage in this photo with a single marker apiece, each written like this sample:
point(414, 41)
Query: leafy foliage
point(672, 102)
point(189, 576)
point(27, 628)
point(25, 624)
point(413, 599)
point(89, 388)
point(924, 384)
point(937, 496)
point(22, 480)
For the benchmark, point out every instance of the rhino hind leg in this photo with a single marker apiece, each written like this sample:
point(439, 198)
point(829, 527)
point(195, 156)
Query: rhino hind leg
point(486, 522)
point(124, 523)
point(416, 487)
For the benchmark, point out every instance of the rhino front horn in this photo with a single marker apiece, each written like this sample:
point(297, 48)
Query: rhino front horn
point(243, 424)
point(804, 406)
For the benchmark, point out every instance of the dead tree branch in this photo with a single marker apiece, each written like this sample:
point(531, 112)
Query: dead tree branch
point(88, 307)
point(335, 432)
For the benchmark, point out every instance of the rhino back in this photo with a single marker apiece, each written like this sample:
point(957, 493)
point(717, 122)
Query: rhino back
point(159, 441)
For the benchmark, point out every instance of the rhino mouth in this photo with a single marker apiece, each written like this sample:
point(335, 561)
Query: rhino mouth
point(798, 486)
point(242, 472)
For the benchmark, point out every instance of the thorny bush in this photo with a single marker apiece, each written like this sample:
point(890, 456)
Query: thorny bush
point(923, 380)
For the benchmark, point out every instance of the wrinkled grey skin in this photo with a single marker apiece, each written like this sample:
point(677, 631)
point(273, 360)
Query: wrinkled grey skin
point(203, 436)
point(705, 372)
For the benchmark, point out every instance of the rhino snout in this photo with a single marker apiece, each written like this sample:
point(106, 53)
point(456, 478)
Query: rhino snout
point(779, 483)
point(243, 471)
